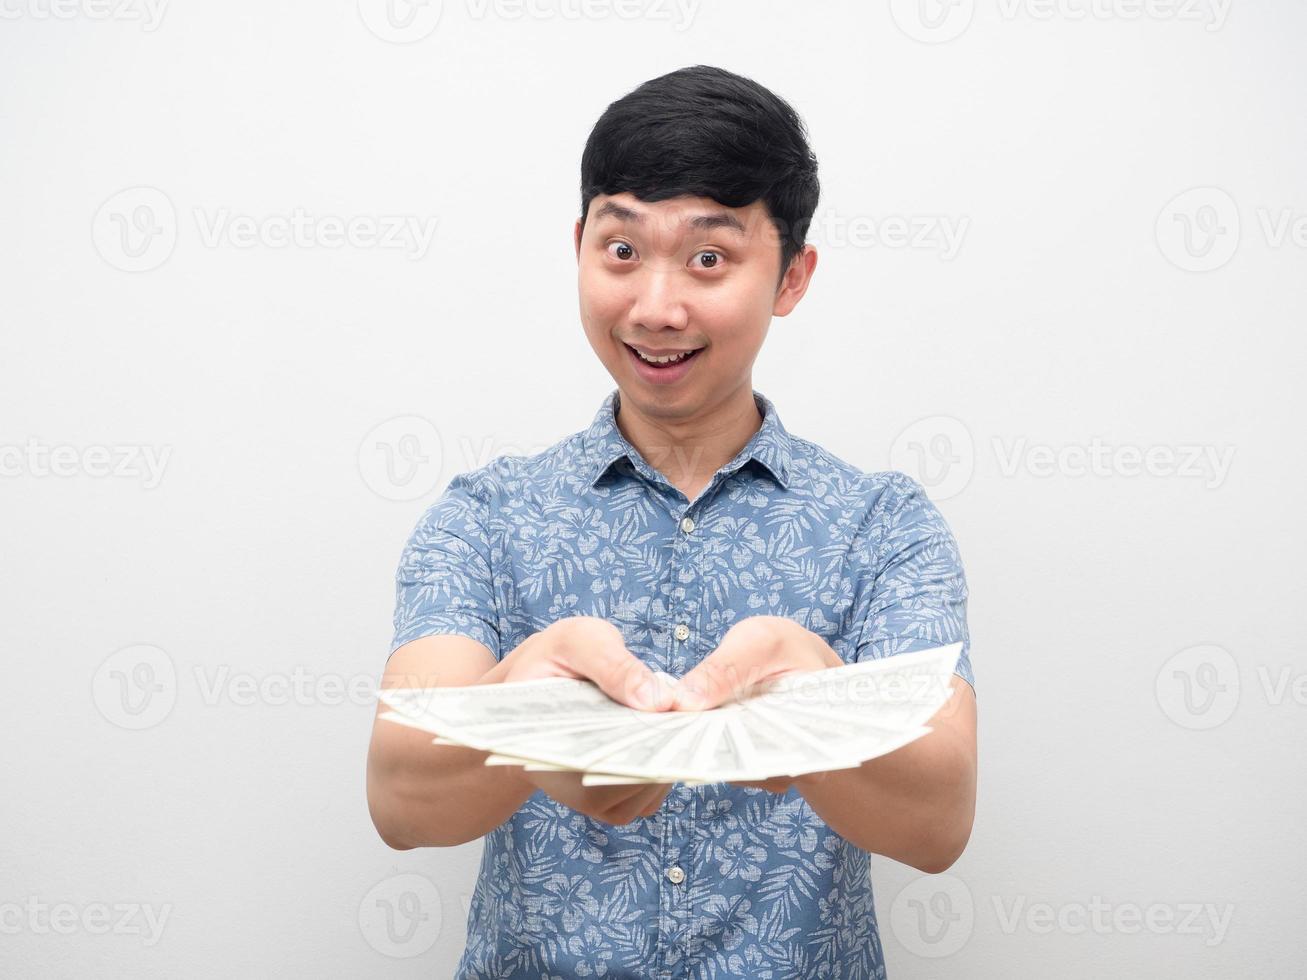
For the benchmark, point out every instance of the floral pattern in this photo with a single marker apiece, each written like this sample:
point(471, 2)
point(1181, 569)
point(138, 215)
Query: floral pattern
point(589, 527)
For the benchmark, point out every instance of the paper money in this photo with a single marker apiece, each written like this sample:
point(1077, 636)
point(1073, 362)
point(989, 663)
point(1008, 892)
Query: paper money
point(798, 723)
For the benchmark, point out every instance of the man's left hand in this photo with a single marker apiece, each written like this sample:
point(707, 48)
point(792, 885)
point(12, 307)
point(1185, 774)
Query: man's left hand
point(754, 650)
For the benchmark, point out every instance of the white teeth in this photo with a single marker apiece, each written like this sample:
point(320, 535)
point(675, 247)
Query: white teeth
point(669, 359)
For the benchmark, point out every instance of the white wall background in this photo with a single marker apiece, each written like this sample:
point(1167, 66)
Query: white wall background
point(1138, 629)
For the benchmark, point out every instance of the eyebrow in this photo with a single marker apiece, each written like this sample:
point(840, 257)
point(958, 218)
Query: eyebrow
point(718, 219)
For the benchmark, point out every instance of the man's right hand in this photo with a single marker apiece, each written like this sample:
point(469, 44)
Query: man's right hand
point(593, 649)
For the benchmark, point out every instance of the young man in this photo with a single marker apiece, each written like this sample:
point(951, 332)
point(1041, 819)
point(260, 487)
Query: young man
point(684, 531)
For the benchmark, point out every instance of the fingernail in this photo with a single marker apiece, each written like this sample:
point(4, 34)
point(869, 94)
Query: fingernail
point(644, 694)
point(690, 697)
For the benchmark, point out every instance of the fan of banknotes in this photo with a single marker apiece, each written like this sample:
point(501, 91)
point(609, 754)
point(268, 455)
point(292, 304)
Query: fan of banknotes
point(794, 724)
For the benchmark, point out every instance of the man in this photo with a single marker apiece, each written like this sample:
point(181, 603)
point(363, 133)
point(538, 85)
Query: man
point(683, 531)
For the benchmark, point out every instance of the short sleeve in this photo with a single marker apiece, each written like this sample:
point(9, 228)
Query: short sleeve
point(444, 583)
point(916, 596)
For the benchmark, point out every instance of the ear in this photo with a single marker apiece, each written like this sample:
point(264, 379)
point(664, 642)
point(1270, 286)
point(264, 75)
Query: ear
point(795, 282)
point(576, 233)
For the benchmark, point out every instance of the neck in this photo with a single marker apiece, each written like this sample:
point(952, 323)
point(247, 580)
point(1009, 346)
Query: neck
point(688, 450)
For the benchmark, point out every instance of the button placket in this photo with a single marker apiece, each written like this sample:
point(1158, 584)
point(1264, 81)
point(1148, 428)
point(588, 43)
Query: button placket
point(682, 631)
point(674, 908)
point(682, 613)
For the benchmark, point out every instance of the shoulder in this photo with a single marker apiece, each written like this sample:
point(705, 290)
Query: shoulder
point(510, 478)
point(879, 493)
point(883, 509)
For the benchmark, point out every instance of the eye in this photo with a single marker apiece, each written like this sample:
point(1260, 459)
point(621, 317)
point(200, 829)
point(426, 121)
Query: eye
point(621, 250)
point(711, 259)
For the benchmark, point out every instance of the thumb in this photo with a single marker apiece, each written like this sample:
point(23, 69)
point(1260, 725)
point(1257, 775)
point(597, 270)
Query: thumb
point(740, 663)
point(623, 676)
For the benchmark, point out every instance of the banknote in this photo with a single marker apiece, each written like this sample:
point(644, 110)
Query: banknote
point(800, 722)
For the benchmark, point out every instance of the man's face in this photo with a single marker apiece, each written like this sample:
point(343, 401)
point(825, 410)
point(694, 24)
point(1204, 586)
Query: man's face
point(685, 274)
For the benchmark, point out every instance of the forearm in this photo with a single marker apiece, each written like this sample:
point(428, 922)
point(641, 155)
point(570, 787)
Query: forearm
point(425, 795)
point(915, 805)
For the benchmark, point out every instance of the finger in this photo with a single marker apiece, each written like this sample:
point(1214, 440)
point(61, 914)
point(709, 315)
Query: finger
point(742, 660)
point(567, 788)
point(658, 800)
point(617, 812)
point(601, 656)
point(588, 648)
point(646, 803)
point(660, 791)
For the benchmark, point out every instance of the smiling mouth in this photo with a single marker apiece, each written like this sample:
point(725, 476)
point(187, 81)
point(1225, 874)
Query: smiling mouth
point(664, 360)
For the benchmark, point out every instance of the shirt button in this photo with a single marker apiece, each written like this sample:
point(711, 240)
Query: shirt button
point(682, 631)
point(687, 524)
point(675, 875)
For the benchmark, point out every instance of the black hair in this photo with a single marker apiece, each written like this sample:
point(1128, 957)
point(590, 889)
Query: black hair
point(706, 132)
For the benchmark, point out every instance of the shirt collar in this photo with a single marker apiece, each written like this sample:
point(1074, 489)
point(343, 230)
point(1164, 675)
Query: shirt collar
point(770, 445)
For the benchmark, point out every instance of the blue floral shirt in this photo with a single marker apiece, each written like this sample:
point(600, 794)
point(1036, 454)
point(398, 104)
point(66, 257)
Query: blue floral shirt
point(723, 881)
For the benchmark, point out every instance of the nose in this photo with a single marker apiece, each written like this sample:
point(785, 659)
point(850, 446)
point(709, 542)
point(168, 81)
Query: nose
point(658, 302)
